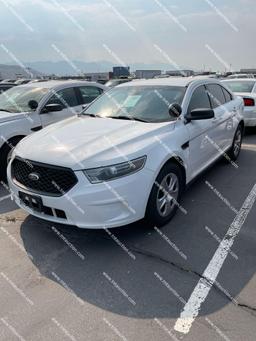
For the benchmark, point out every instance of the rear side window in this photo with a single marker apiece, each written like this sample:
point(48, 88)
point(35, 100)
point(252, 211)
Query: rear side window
point(89, 93)
point(66, 97)
point(228, 96)
point(216, 95)
point(199, 100)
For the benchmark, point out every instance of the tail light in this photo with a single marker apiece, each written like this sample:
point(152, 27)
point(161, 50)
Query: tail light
point(249, 102)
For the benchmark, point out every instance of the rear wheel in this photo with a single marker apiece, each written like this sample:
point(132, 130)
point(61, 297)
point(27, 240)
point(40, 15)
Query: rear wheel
point(237, 143)
point(165, 195)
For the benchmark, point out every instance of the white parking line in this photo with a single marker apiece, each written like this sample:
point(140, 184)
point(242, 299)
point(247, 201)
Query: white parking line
point(201, 291)
point(6, 197)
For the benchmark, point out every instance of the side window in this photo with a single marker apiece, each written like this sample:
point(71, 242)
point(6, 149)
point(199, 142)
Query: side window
point(216, 95)
point(89, 93)
point(228, 96)
point(66, 97)
point(199, 100)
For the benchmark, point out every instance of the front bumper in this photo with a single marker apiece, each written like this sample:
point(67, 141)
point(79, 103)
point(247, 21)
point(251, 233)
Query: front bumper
point(96, 206)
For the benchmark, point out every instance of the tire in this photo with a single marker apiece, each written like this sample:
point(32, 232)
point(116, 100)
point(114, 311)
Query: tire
point(4, 155)
point(161, 208)
point(235, 149)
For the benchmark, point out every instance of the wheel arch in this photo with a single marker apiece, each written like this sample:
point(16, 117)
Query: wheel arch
point(177, 160)
point(12, 141)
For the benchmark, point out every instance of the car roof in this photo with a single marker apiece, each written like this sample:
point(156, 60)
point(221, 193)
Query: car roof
point(171, 81)
point(56, 83)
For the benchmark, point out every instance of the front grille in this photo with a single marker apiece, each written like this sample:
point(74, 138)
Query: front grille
point(45, 179)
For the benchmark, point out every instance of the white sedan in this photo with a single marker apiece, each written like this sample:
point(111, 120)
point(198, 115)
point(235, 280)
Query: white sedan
point(28, 108)
point(129, 155)
point(246, 88)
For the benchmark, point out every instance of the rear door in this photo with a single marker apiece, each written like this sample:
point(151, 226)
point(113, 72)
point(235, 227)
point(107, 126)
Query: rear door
point(69, 101)
point(222, 103)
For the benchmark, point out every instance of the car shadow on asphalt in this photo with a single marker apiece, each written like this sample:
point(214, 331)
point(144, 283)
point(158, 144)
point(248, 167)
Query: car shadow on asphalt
point(143, 273)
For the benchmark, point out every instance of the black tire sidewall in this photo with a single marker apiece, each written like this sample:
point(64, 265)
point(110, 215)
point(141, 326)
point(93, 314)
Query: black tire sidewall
point(231, 152)
point(152, 217)
point(3, 162)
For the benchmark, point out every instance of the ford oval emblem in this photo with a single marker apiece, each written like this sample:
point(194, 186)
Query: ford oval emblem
point(34, 176)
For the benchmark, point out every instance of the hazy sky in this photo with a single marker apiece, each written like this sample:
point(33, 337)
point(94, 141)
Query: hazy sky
point(191, 33)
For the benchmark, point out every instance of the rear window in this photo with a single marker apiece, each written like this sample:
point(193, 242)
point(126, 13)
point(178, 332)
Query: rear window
point(238, 86)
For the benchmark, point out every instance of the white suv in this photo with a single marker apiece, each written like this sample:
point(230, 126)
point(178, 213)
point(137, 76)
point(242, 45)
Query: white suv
point(29, 108)
point(129, 155)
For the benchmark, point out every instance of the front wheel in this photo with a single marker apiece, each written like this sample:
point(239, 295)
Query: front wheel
point(5, 156)
point(237, 144)
point(165, 196)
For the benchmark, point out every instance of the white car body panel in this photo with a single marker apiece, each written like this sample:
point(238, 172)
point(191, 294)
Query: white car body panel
point(82, 143)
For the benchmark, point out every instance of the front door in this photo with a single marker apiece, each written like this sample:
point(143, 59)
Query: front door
point(201, 132)
point(68, 99)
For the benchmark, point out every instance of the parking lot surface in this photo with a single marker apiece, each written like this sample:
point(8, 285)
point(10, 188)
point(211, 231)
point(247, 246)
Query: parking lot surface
point(133, 283)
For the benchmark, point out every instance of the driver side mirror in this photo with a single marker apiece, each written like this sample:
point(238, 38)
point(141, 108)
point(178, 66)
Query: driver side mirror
point(175, 110)
point(52, 108)
point(33, 104)
point(200, 114)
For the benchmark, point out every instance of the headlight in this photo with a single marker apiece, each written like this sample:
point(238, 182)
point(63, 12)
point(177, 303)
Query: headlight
point(97, 175)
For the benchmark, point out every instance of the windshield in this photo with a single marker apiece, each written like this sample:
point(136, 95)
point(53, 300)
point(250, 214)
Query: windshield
point(16, 99)
point(237, 86)
point(145, 103)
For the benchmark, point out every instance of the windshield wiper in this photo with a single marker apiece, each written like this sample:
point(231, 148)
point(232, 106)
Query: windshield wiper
point(5, 110)
point(127, 118)
point(90, 115)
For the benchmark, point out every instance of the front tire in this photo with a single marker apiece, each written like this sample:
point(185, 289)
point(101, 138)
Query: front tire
point(165, 196)
point(5, 153)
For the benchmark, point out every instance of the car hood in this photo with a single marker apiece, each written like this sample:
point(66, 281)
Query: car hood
point(81, 143)
point(7, 116)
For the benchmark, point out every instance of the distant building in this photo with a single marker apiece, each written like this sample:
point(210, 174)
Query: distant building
point(16, 71)
point(178, 73)
point(98, 76)
point(121, 71)
point(147, 74)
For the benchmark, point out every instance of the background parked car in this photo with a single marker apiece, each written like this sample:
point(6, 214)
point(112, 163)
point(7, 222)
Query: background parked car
point(23, 81)
point(28, 108)
point(114, 82)
point(240, 75)
point(9, 81)
point(246, 88)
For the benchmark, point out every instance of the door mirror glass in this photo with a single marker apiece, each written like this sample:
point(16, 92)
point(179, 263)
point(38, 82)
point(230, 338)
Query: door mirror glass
point(175, 110)
point(52, 107)
point(200, 114)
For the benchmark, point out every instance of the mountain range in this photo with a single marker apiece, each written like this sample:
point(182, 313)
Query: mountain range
point(63, 68)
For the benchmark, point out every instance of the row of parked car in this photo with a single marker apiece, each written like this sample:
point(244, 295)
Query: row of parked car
point(94, 157)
